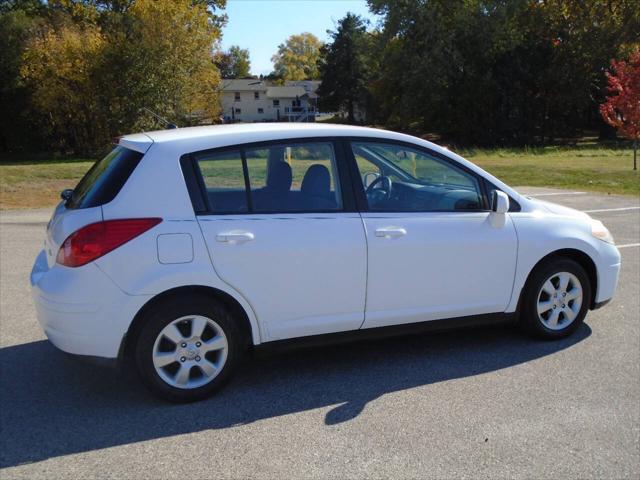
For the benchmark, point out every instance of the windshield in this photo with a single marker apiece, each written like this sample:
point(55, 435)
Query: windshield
point(104, 179)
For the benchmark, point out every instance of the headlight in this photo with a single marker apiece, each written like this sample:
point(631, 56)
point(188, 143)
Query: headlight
point(601, 232)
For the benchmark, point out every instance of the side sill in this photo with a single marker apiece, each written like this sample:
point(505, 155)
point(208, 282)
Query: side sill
point(385, 332)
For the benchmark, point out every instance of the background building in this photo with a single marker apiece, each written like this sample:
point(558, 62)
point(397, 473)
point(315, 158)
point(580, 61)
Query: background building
point(254, 100)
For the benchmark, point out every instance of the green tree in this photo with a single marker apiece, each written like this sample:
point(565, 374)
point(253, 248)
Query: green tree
point(344, 67)
point(495, 72)
point(18, 128)
point(235, 63)
point(297, 58)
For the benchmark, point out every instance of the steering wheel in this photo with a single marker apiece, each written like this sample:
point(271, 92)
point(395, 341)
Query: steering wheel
point(379, 193)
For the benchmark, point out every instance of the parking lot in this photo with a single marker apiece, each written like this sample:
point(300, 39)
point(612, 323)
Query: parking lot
point(473, 403)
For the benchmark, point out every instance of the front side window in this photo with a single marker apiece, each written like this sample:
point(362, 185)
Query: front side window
point(261, 110)
point(282, 178)
point(236, 96)
point(256, 95)
point(276, 103)
point(403, 179)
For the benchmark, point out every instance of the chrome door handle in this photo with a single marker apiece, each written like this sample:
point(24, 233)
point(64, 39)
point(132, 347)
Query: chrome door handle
point(235, 237)
point(390, 232)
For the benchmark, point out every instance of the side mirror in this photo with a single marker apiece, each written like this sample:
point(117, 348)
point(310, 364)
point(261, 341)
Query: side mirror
point(500, 202)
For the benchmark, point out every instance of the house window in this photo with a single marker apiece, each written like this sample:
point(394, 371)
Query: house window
point(236, 96)
point(261, 110)
point(256, 95)
point(276, 103)
point(238, 110)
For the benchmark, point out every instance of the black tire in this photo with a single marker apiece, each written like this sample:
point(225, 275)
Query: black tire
point(162, 314)
point(530, 321)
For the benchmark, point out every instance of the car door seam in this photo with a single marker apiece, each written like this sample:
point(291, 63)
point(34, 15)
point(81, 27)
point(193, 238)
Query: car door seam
point(366, 270)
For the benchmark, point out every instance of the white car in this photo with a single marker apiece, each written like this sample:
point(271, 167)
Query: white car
point(183, 248)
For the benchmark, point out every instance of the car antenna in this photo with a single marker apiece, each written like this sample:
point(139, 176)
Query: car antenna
point(166, 122)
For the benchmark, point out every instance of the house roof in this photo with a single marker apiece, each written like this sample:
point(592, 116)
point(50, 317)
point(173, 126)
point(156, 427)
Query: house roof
point(285, 92)
point(240, 85)
point(310, 86)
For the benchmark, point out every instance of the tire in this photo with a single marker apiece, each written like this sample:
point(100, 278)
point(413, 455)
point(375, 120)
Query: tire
point(555, 299)
point(188, 348)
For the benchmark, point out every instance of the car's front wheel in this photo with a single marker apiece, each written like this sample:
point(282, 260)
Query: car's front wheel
point(187, 348)
point(556, 299)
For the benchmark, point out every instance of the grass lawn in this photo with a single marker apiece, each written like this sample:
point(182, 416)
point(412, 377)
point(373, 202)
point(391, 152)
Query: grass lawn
point(579, 168)
point(26, 183)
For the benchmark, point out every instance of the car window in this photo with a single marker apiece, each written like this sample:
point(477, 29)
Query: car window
point(223, 178)
point(296, 177)
point(293, 178)
point(105, 179)
point(403, 179)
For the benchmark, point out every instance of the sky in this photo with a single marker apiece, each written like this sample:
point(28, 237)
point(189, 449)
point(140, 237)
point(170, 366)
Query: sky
point(261, 25)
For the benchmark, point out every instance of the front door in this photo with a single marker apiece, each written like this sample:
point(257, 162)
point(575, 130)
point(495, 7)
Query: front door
point(278, 232)
point(434, 249)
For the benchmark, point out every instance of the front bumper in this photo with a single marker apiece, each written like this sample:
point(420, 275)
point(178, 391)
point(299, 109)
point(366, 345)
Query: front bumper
point(608, 273)
point(81, 310)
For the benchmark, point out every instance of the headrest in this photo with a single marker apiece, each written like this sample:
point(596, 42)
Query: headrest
point(279, 177)
point(317, 181)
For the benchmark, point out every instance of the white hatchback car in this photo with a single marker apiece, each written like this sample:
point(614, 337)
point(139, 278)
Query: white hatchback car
point(182, 248)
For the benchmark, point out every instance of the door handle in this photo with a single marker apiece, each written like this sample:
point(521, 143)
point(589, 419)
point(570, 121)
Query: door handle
point(235, 237)
point(390, 232)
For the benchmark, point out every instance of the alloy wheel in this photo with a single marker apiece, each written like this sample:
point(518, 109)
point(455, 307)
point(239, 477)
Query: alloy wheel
point(190, 352)
point(559, 300)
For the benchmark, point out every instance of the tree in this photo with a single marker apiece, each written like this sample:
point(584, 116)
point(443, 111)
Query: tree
point(234, 63)
point(57, 66)
point(92, 67)
point(344, 67)
point(622, 108)
point(297, 58)
point(489, 72)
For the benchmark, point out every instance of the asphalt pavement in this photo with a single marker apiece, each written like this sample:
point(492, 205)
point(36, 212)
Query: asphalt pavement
point(464, 404)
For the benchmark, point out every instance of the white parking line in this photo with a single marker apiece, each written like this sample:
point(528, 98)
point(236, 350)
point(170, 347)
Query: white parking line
point(554, 193)
point(626, 245)
point(621, 209)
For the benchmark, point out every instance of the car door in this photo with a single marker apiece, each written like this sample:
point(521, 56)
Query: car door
point(435, 251)
point(280, 232)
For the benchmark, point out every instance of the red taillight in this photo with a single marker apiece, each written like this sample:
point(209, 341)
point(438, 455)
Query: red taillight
point(98, 239)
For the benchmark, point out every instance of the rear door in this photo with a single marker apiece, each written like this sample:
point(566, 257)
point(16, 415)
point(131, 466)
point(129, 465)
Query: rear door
point(435, 250)
point(281, 228)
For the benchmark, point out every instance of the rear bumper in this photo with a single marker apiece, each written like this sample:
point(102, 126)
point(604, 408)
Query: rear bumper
point(81, 310)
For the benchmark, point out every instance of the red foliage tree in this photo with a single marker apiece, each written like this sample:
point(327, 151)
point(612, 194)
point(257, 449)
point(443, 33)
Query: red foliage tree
point(622, 108)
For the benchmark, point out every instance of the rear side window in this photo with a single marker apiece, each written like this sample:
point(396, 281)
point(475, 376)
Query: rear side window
point(104, 179)
point(224, 182)
point(277, 178)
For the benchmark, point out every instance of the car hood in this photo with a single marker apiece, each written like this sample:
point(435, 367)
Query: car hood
point(556, 209)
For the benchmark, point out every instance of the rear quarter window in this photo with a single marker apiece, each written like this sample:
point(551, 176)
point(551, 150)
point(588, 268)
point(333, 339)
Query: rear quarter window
point(105, 179)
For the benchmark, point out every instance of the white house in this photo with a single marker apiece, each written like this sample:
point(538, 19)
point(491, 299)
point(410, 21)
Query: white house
point(255, 100)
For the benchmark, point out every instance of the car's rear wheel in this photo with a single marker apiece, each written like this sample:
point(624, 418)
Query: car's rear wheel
point(556, 299)
point(187, 348)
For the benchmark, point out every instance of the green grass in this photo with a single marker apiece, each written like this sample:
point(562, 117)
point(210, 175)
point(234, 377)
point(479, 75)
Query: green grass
point(28, 183)
point(591, 168)
point(36, 182)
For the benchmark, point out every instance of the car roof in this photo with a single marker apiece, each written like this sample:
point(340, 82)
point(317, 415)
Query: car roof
point(252, 132)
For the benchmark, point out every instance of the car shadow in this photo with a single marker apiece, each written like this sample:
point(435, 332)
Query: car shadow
point(53, 405)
